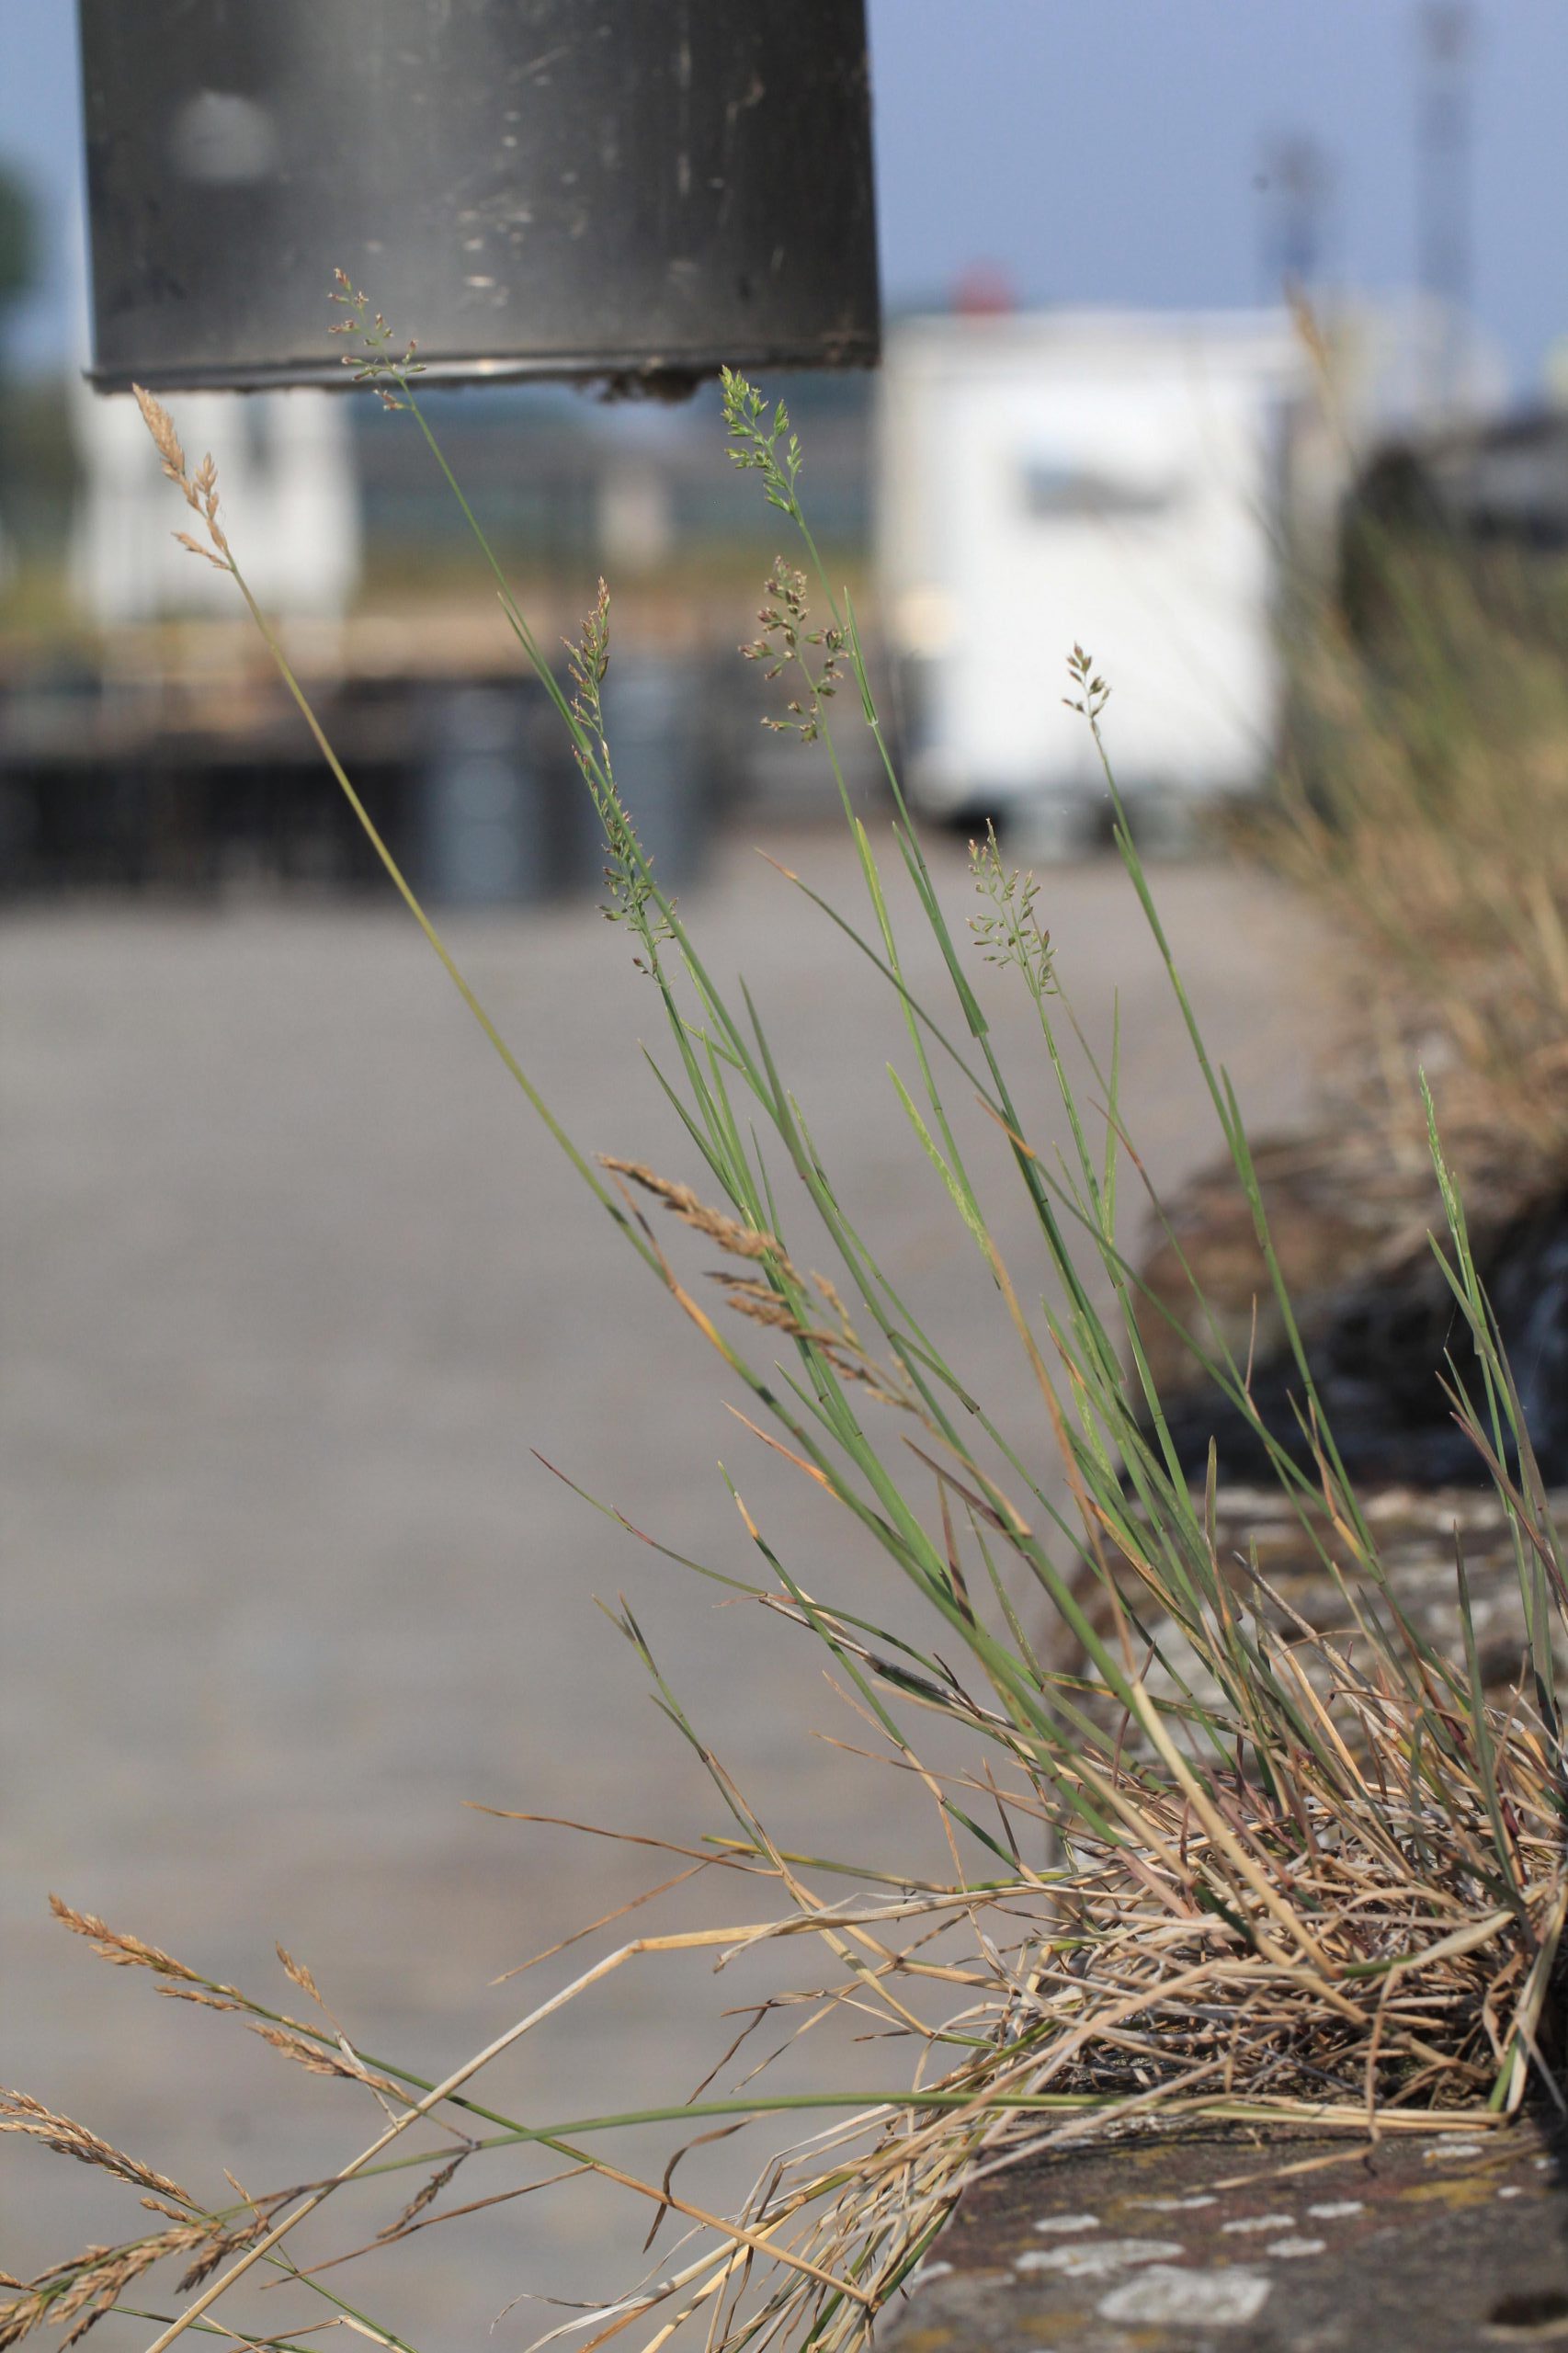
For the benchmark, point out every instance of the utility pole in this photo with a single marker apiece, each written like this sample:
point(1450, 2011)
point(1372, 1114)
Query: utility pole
point(1443, 196)
point(1297, 180)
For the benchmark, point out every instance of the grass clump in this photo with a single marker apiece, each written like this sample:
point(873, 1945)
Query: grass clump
point(1205, 1861)
point(1426, 804)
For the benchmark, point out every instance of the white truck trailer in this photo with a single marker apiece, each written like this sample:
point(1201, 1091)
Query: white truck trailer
point(1110, 479)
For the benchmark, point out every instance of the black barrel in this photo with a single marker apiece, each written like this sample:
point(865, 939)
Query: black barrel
point(632, 190)
point(654, 724)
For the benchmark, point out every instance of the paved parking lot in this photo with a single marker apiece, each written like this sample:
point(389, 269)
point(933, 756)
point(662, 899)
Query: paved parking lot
point(294, 1286)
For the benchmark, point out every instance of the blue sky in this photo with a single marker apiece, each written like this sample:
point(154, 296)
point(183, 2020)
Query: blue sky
point(1097, 151)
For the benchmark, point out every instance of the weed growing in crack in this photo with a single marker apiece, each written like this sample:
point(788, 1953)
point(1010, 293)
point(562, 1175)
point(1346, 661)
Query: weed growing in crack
point(1207, 1862)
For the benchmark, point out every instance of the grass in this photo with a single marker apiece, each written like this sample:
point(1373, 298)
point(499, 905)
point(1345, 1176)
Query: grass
point(1222, 1868)
point(1426, 807)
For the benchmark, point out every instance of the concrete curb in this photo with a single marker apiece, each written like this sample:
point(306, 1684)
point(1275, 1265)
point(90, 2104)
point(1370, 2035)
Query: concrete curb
point(1441, 2242)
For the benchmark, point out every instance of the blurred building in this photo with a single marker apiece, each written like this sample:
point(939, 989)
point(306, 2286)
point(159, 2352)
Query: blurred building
point(571, 485)
point(290, 491)
point(1161, 488)
point(1114, 480)
point(146, 740)
point(1155, 487)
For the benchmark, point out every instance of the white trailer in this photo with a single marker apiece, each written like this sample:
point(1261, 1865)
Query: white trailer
point(1108, 479)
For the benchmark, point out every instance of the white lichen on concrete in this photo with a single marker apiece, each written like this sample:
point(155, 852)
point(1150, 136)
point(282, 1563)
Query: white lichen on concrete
point(1288, 2247)
point(1097, 2258)
point(1261, 2222)
point(1068, 2222)
point(1188, 2298)
point(1333, 2210)
point(1177, 2205)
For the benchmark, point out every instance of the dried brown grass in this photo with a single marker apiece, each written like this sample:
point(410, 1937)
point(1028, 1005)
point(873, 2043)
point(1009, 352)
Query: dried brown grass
point(1425, 804)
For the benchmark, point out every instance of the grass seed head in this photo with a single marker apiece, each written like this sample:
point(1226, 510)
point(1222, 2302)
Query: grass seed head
point(116, 1945)
point(19, 2113)
point(741, 1241)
